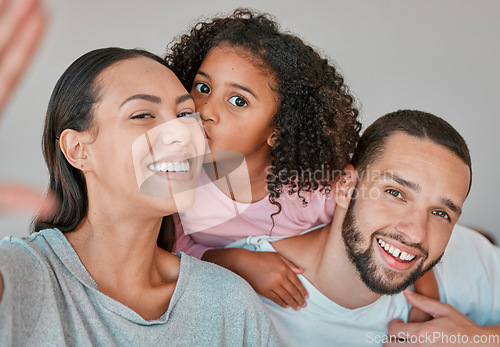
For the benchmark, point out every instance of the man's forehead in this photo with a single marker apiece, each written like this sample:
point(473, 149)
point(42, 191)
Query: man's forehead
point(420, 164)
point(402, 147)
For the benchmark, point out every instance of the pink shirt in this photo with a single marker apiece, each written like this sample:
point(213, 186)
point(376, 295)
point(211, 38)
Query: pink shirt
point(215, 220)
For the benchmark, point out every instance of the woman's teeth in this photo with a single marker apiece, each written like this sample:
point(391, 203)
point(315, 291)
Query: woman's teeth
point(170, 167)
point(396, 253)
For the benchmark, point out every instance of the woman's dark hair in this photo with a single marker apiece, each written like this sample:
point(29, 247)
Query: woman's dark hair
point(421, 125)
point(71, 106)
point(316, 124)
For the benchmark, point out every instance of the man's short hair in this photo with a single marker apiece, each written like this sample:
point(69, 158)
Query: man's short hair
point(418, 124)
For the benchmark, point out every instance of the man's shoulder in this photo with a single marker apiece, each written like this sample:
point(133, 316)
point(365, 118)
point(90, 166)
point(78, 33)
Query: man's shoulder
point(469, 276)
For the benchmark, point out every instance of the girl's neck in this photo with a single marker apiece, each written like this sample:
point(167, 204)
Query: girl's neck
point(258, 169)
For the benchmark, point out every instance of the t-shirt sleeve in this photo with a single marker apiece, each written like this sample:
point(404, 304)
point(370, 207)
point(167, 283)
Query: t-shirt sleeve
point(185, 243)
point(469, 276)
point(23, 291)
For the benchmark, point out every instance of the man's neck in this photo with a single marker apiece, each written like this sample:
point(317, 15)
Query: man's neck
point(323, 256)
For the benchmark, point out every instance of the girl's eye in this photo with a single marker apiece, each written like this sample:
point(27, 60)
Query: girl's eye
point(395, 193)
point(202, 88)
point(238, 101)
point(142, 116)
point(442, 214)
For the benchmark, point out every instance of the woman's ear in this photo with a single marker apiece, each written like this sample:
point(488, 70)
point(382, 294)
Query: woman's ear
point(73, 147)
point(344, 186)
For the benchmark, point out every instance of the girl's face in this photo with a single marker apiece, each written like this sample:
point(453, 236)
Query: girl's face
point(143, 132)
point(234, 97)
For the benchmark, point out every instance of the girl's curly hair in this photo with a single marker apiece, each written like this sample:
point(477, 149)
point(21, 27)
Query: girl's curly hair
point(316, 125)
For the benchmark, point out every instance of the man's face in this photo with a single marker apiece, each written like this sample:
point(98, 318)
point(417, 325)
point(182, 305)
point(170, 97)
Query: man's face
point(403, 212)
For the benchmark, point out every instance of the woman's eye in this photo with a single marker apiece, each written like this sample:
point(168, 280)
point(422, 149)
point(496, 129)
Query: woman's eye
point(238, 101)
point(395, 193)
point(142, 116)
point(442, 214)
point(184, 114)
point(202, 88)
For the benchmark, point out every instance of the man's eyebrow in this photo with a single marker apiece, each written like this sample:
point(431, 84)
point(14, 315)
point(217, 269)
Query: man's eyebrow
point(147, 97)
point(405, 183)
point(451, 205)
point(183, 98)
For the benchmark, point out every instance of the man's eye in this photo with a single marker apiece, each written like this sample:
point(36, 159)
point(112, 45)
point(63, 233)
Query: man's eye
point(442, 214)
point(202, 88)
point(238, 101)
point(142, 116)
point(395, 193)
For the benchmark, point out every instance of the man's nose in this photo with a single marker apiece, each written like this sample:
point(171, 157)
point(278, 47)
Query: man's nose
point(414, 225)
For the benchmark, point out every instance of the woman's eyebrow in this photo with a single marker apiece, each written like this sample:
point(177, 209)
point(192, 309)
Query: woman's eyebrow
point(147, 97)
point(183, 98)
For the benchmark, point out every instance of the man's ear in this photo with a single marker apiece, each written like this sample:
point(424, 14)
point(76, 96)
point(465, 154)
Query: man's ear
point(73, 146)
point(344, 186)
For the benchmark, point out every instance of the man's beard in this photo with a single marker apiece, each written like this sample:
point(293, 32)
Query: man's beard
point(377, 279)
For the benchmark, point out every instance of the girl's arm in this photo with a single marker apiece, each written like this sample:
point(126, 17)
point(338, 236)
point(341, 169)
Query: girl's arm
point(425, 285)
point(270, 274)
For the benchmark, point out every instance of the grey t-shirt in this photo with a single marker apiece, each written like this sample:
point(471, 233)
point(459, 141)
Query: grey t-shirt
point(50, 299)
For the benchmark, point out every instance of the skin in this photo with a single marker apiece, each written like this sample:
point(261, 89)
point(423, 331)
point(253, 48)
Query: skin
point(117, 240)
point(235, 98)
point(22, 24)
point(384, 206)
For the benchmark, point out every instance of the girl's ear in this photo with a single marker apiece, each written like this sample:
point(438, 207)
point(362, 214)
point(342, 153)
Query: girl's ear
point(344, 187)
point(272, 138)
point(73, 147)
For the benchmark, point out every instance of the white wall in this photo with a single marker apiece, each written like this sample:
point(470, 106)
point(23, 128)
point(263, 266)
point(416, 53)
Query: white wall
point(437, 56)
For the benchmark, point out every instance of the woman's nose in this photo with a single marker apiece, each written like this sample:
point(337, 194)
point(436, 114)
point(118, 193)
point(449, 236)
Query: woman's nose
point(175, 132)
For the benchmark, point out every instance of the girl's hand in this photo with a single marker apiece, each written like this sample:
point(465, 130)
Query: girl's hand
point(270, 274)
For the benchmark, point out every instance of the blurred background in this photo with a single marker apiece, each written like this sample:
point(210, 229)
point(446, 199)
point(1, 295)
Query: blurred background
point(440, 57)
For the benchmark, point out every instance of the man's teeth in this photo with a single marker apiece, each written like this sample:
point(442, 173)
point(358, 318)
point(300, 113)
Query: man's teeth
point(170, 166)
point(396, 252)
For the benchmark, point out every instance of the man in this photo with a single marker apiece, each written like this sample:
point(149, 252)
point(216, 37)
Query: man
point(396, 208)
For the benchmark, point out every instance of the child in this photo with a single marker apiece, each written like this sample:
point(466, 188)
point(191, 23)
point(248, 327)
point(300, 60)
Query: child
point(273, 98)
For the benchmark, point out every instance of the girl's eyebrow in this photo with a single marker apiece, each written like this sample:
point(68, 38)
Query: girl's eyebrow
point(239, 86)
point(236, 85)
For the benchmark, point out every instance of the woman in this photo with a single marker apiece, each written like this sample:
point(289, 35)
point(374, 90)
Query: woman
point(121, 157)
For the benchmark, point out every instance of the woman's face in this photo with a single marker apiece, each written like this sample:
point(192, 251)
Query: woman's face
point(148, 149)
point(234, 97)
